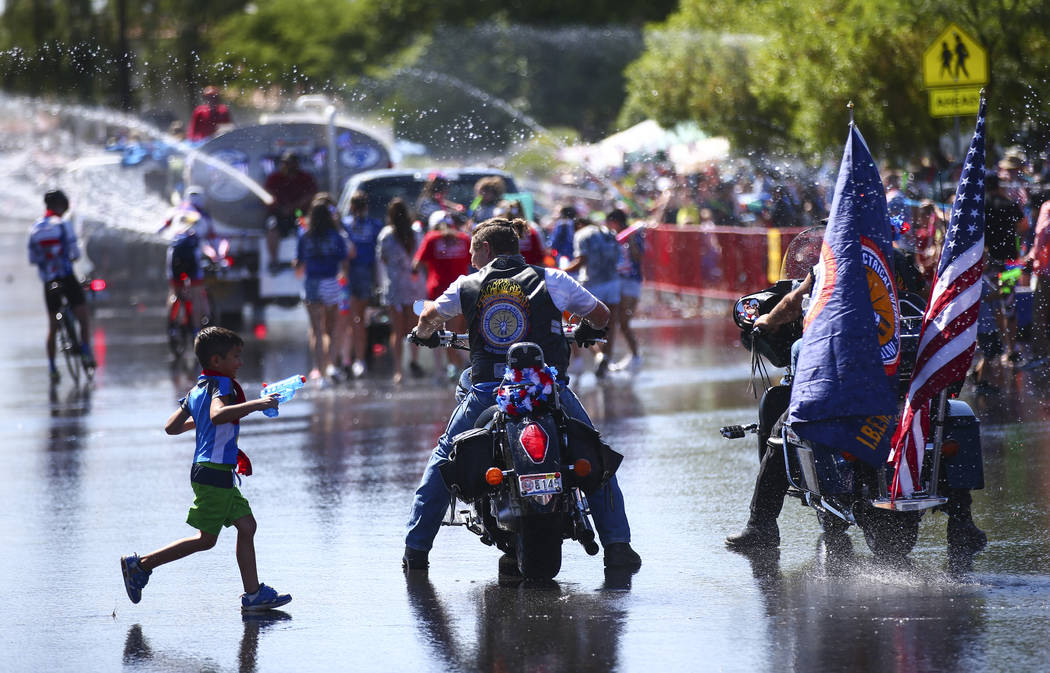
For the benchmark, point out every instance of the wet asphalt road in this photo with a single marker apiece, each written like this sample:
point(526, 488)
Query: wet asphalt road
point(90, 475)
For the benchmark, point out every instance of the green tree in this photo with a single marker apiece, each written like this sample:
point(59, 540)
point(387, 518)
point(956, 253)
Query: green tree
point(51, 47)
point(779, 75)
point(479, 89)
point(560, 62)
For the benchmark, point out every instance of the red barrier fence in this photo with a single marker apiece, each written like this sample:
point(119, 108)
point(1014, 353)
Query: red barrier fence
point(713, 262)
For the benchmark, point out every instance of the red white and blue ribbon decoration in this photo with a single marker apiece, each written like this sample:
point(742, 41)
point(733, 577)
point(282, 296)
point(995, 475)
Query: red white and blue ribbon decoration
point(525, 391)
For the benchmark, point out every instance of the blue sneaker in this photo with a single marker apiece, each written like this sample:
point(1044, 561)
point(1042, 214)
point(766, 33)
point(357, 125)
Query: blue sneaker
point(266, 598)
point(135, 578)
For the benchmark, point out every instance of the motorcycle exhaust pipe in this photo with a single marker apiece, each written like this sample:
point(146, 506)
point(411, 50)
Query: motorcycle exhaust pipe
point(584, 532)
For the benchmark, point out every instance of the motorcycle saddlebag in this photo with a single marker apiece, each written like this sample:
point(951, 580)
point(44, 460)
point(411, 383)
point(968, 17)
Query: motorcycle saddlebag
point(464, 471)
point(965, 467)
point(586, 442)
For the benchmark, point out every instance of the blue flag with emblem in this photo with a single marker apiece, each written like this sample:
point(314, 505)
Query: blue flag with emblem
point(843, 396)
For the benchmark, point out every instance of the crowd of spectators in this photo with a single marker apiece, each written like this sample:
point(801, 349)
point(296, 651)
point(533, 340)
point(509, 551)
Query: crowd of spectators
point(394, 266)
point(750, 193)
point(919, 203)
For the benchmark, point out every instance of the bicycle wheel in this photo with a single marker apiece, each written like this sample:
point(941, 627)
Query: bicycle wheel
point(70, 344)
point(180, 331)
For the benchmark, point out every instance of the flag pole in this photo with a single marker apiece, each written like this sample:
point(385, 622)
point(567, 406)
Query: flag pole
point(938, 441)
point(940, 419)
point(849, 106)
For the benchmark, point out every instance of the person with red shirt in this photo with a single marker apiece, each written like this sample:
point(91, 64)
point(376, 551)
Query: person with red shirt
point(208, 116)
point(445, 250)
point(292, 189)
point(531, 245)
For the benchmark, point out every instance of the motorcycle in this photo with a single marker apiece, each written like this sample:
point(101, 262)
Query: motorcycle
point(527, 467)
point(840, 489)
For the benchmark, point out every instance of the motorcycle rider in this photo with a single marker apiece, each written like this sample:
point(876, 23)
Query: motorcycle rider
point(771, 484)
point(530, 300)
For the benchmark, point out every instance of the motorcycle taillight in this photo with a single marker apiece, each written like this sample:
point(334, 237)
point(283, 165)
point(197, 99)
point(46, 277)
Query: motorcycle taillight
point(534, 440)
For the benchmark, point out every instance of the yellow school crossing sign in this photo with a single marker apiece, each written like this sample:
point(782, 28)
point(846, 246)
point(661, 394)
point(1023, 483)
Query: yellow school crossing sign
point(954, 59)
point(954, 67)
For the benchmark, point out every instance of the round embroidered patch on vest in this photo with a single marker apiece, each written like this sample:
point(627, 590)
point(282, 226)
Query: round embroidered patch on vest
point(504, 317)
point(503, 323)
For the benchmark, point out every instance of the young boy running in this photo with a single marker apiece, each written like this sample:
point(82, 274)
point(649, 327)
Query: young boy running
point(213, 408)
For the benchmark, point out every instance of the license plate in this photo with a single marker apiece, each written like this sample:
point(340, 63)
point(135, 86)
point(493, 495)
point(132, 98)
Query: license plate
point(540, 484)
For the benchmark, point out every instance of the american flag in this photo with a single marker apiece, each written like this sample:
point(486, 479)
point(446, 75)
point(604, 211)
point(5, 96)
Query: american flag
point(949, 327)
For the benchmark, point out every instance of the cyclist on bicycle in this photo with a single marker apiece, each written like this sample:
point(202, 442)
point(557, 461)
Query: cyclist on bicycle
point(193, 239)
point(53, 247)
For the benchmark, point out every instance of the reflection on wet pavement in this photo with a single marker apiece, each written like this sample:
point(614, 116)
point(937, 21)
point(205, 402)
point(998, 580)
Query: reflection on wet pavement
point(90, 475)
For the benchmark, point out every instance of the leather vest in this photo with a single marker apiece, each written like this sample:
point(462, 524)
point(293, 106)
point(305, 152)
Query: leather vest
point(504, 304)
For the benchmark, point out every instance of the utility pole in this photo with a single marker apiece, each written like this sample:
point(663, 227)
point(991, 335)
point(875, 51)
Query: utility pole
point(124, 56)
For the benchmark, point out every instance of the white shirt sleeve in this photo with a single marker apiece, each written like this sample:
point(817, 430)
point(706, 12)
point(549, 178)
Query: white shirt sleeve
point(448, 304)
point(568, 294)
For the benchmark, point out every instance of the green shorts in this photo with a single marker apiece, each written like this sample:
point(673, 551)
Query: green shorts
point(215, 507)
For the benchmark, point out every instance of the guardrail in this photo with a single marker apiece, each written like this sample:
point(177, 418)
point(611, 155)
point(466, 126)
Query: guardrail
point(714, 262)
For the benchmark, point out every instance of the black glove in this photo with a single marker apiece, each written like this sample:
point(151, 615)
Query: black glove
point(586, 335)
point(432, 341)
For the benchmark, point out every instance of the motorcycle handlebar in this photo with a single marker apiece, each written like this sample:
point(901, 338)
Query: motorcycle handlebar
point(446, 339)
point(449, 339)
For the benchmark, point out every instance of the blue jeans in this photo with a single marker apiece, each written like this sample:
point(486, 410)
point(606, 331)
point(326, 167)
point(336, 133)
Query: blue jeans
point(432, 498)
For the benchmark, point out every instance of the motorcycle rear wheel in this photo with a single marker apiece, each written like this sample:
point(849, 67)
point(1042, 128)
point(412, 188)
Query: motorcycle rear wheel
point(890, 535)
point(538, 545)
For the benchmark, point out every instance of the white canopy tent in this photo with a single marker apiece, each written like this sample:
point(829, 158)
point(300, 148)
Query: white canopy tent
point(686, 146)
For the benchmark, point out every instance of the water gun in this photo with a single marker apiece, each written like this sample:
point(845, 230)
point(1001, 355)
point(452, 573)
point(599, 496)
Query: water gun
point(1008, 278)
point(284, 389)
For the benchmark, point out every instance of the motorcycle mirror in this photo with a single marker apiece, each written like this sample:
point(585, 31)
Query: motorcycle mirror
point(417, 306)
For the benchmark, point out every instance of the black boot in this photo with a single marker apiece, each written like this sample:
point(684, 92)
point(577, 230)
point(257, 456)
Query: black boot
point(415, 559)
point(963, 534)
point(508, 566)
point(621, 555)
point(761, 531)
point(756, 536)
